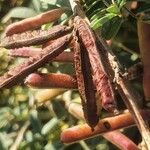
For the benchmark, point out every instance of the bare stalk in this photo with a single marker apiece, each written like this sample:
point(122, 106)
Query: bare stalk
point(20, 136)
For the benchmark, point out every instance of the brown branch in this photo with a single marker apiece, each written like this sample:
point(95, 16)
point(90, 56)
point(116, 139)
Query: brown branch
point(51, 80)
point(130, 99)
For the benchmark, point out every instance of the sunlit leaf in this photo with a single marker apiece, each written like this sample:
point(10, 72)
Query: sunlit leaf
point(99, 22)
point(113, 9)
point(36, 4)
point(49, 126)
point(19, 12)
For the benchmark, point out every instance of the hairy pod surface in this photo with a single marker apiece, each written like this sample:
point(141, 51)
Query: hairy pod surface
point(51, 80)
point(27, 52)
point(100, 78)
point(34, 37)
point(16, 74)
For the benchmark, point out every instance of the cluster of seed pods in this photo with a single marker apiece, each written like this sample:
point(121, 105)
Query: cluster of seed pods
point(91, 79)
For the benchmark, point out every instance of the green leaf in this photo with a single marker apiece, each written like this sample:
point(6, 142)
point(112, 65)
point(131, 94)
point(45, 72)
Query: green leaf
point(47, 128)
point(113, 9)
point(19, 12)
point(97, 23)
point(4, 144)
point(51, 2)
point(94, 6)
point(36, 4)
point(35, 122)
point(29, 136)
point(120, 3)
point(98, 14)
point(59, 110)
point(111, 28)
point(49, 146)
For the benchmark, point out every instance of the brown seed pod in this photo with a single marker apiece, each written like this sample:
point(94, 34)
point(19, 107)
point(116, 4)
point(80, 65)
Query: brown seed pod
point(34, 37)
point(51, 80)
point(85, 85)
point(24, 52)
point(33, 22)
point(27, 52)
point(100, 78)
point(15, 75)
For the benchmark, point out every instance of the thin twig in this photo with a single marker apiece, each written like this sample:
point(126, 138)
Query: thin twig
point(122, 46)
point(20, 136)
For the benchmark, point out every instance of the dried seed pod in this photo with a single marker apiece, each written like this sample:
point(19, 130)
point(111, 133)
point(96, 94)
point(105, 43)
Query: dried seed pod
point(34, 37)
point(15, 75)
point(33, 22)
point(27, 52)
point(100, 77)
point(85, 85)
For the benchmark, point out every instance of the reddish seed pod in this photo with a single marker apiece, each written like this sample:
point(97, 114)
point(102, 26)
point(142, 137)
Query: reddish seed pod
point(100, 77)
point(33, 22)
point(35, 37)
point(15, 75)
point(27, 52)
point(51, 80)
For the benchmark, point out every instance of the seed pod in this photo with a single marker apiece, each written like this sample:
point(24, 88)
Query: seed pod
point(51, 80)
point(27, 52)
point(100, 77)
point(15, 75)
point(33, 22)
point(85, 85)
point(35, 37)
